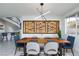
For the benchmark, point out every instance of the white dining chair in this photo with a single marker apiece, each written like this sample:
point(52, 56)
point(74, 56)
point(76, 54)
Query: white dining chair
point(33, 48)
point(51, 48)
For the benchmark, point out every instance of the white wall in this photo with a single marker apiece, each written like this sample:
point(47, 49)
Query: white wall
point(11, 27)
point(8, 27)
point(2, 22)
point(62, 27)
point(10, 21)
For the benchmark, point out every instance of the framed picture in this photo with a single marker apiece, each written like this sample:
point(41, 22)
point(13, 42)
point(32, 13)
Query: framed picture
point(40, 27)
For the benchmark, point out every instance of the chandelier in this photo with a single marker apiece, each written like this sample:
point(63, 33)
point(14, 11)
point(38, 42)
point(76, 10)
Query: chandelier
point(42, 14)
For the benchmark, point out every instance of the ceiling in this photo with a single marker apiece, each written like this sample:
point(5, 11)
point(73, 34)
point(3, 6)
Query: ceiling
point(30, 9)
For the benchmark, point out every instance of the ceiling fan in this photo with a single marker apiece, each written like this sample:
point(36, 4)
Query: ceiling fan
point(42, 15)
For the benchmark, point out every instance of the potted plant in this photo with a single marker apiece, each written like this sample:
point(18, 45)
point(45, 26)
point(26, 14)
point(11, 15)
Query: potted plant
point(59, 33)
point(17, 33)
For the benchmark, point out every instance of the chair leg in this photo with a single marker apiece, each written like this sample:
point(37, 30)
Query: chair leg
point(2, 39)
point(72, 52)
point(6, 38)
point(15, 51)
point(11, 38)
point(38, 54)
point(19, 48)
point(64, 51)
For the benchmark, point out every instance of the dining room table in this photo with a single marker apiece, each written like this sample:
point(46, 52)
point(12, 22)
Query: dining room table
point(42, 41)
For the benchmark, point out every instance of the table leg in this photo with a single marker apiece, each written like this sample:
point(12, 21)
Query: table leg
point(24, 49)
point(60, 49)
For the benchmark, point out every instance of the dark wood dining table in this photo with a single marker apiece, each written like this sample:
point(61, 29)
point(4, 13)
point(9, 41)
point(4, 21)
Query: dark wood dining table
point(43, 41)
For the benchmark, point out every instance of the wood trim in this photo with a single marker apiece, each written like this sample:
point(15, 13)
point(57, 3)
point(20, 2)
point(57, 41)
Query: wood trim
point(41, 40)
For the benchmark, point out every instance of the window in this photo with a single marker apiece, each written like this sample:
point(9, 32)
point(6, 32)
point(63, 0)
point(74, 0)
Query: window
point(71, 25)
point(78, 25)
